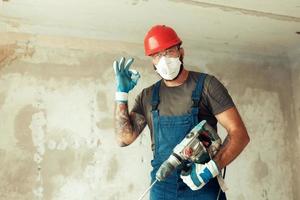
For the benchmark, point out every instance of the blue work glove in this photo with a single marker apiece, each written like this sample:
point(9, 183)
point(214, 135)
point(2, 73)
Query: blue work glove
point(200, 174)
point(126, 78)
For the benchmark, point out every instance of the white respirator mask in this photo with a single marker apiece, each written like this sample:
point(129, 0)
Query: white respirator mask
point(168, 68)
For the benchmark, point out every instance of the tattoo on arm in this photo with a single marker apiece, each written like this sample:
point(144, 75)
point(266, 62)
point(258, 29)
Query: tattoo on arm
point(138, 122)
point(127, 126)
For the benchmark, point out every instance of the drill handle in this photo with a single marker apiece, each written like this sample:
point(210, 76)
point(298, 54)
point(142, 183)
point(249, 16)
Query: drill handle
point(186, 168)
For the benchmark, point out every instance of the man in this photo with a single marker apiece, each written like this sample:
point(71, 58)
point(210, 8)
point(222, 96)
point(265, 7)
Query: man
point(171, 108)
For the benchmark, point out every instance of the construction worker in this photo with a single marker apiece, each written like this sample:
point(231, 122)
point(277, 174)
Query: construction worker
point(171, 108)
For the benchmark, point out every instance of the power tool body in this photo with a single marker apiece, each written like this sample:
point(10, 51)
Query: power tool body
point(198, 146)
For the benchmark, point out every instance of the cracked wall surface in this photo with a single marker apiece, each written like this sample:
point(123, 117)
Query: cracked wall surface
point(56, 109)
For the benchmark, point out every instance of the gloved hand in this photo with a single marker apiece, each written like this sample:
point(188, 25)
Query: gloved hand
point(126, 78)
point(200, 174)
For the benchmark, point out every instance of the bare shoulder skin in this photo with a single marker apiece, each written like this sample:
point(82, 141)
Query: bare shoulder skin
point(236, 140)
point(128, 126)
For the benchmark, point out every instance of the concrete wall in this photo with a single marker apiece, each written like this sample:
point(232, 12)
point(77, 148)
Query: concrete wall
point(56, 111)
point(56, 108)
point(295, 66)
point(262, 90)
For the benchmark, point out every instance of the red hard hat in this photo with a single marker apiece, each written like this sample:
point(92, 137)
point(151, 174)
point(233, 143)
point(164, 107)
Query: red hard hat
point(159, 38)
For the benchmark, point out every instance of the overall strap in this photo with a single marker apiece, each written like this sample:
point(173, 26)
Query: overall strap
point(155, 115)
point(155, 96)
point(196, 96)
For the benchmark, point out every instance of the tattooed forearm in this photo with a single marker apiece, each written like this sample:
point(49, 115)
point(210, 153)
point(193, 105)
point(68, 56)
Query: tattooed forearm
point(138, 121)
point(123, 126)
point(122, 119)
point(127, 126)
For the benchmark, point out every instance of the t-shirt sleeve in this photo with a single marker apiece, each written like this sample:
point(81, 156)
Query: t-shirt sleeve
point(138, 104)
point(218, 98)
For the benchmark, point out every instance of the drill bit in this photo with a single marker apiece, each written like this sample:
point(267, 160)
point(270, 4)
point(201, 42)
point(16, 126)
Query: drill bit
point(143, 195)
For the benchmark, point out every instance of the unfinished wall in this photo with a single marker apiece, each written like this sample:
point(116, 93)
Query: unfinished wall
point(262, 90)
point(57, 92)
point(56, 110)
point(295, 71)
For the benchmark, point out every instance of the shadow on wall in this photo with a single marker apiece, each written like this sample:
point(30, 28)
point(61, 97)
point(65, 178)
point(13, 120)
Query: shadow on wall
point(12, 52)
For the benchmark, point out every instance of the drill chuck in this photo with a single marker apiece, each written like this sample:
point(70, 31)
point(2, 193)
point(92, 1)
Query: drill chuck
point(168, 167)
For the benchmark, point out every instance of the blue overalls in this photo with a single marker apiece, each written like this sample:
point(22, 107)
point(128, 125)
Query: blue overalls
point(168, 132)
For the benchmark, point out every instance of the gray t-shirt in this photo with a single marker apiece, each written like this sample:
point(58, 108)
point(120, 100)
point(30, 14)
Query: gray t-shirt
point(178, 100)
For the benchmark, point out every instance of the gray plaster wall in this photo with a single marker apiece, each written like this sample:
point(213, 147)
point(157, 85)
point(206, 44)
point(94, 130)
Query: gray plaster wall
point(295, 66)
point(56, 110)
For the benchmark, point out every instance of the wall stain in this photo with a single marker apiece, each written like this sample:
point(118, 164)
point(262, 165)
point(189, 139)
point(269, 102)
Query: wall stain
point(2, 99)
point(7, 54)
point(91, 68)
point(265, 194)
point(100, 67)
point(13, 52)
point(136, 2)
point(84, 157)
point(130, 187)
point(102, 102)
point(261, 169)
point(106, 123)
point(113, 167)
point(56, 163)
point(22, 131)
point(18, 175)
point(12, 21)
point(115, 196)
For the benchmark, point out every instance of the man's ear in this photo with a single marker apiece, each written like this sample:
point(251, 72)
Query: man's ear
point(181, 51)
